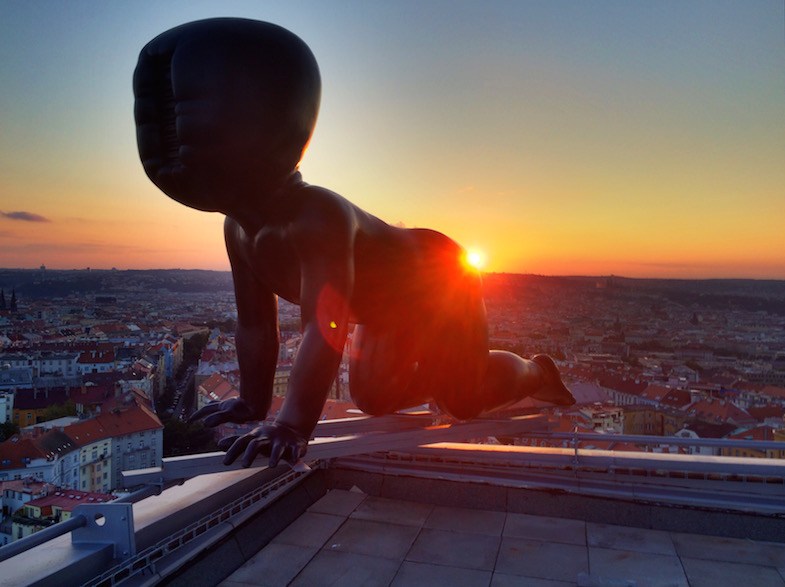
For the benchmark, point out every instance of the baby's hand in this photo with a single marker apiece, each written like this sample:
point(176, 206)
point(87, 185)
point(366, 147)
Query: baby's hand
point(229, 410)
point(270, 439)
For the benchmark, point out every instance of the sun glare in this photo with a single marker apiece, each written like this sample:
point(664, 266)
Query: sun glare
point(474, 259)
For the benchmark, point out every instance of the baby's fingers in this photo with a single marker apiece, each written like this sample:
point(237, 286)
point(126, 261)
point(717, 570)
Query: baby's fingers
point(225, 443)
point(256, 446)
point(276, 453)
point(216, 418)
point(237, 448)
point(210, 408)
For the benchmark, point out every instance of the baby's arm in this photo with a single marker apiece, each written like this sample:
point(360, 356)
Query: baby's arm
point(323, 239)
point(256, 341)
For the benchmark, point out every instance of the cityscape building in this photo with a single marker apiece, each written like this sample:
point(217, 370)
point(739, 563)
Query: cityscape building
point(654, 371)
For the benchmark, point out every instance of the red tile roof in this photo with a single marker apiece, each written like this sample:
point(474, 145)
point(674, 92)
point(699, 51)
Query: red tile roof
point(624, 385)
point(93, 394)
point(15, 449)
point(655, 392)
point(676, 398)
point(217, 388)
point(720, 411)
point(68, 499)
point(118, 422)
point(29, 485)
point(212, 382)
point(757, 433)
point(710, 429)
point(761, 413)
point(135, 396)
point(38, 399)
point(773, 391)
point(93, 357)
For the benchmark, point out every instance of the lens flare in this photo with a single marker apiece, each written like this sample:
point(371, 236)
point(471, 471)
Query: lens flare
point(474, 259)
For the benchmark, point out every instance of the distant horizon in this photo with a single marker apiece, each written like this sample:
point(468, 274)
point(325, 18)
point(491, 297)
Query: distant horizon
point(642, 139)
point(522, 273)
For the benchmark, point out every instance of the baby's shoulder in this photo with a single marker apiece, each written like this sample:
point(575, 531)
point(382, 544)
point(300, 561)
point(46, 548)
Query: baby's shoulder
point(312, 208)
point(316, 198)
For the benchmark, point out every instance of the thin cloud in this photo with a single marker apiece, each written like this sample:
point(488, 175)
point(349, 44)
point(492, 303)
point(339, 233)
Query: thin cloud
point(676, 265)
point(78, 247)
point(24, 216)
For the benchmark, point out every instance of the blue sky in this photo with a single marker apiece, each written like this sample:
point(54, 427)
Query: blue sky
point(635, 138)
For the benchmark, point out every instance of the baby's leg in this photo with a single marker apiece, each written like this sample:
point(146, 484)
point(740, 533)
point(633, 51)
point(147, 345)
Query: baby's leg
point(469, 380)
point(508, 379)
point(511, 378)
point(382, 369)
point(455, 362)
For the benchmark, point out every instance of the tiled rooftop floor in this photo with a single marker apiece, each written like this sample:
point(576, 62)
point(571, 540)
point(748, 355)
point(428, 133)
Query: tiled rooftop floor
point(349, 539)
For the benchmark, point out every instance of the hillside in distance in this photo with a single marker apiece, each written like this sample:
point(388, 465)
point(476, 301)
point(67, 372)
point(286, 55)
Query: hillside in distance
point(749, 295)
point(38, 284)
point(721, 294)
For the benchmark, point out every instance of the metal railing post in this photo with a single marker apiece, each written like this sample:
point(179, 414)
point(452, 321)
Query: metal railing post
point(45, 535)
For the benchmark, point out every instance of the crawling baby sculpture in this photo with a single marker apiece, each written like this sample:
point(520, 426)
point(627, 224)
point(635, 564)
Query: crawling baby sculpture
point(224, 111)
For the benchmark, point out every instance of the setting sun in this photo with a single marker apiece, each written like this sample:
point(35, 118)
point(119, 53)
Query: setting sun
point(474, 259)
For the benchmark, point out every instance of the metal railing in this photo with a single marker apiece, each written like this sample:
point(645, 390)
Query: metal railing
point(429, 454)
point(69, 525)
point(145, 562)
point(720, 443)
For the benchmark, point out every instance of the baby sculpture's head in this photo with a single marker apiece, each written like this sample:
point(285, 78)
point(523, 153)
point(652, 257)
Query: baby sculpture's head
point(224, 109)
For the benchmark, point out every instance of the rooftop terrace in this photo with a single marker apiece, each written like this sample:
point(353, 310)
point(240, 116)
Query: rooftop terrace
point(437, 513)
point(351, 538)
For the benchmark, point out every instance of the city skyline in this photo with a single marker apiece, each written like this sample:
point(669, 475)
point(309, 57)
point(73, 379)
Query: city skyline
point(643, 140)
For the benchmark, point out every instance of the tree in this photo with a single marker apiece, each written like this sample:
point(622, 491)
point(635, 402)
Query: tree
point(192, 350)
point(54, 411)
point(182, 438)
point(7, 430)
point(165, 400)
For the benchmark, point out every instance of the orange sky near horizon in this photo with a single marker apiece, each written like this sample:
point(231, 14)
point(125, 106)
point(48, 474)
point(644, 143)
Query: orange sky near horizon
point(557, 138)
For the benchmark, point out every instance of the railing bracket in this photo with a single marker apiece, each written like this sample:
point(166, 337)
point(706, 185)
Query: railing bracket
point(107, 523)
